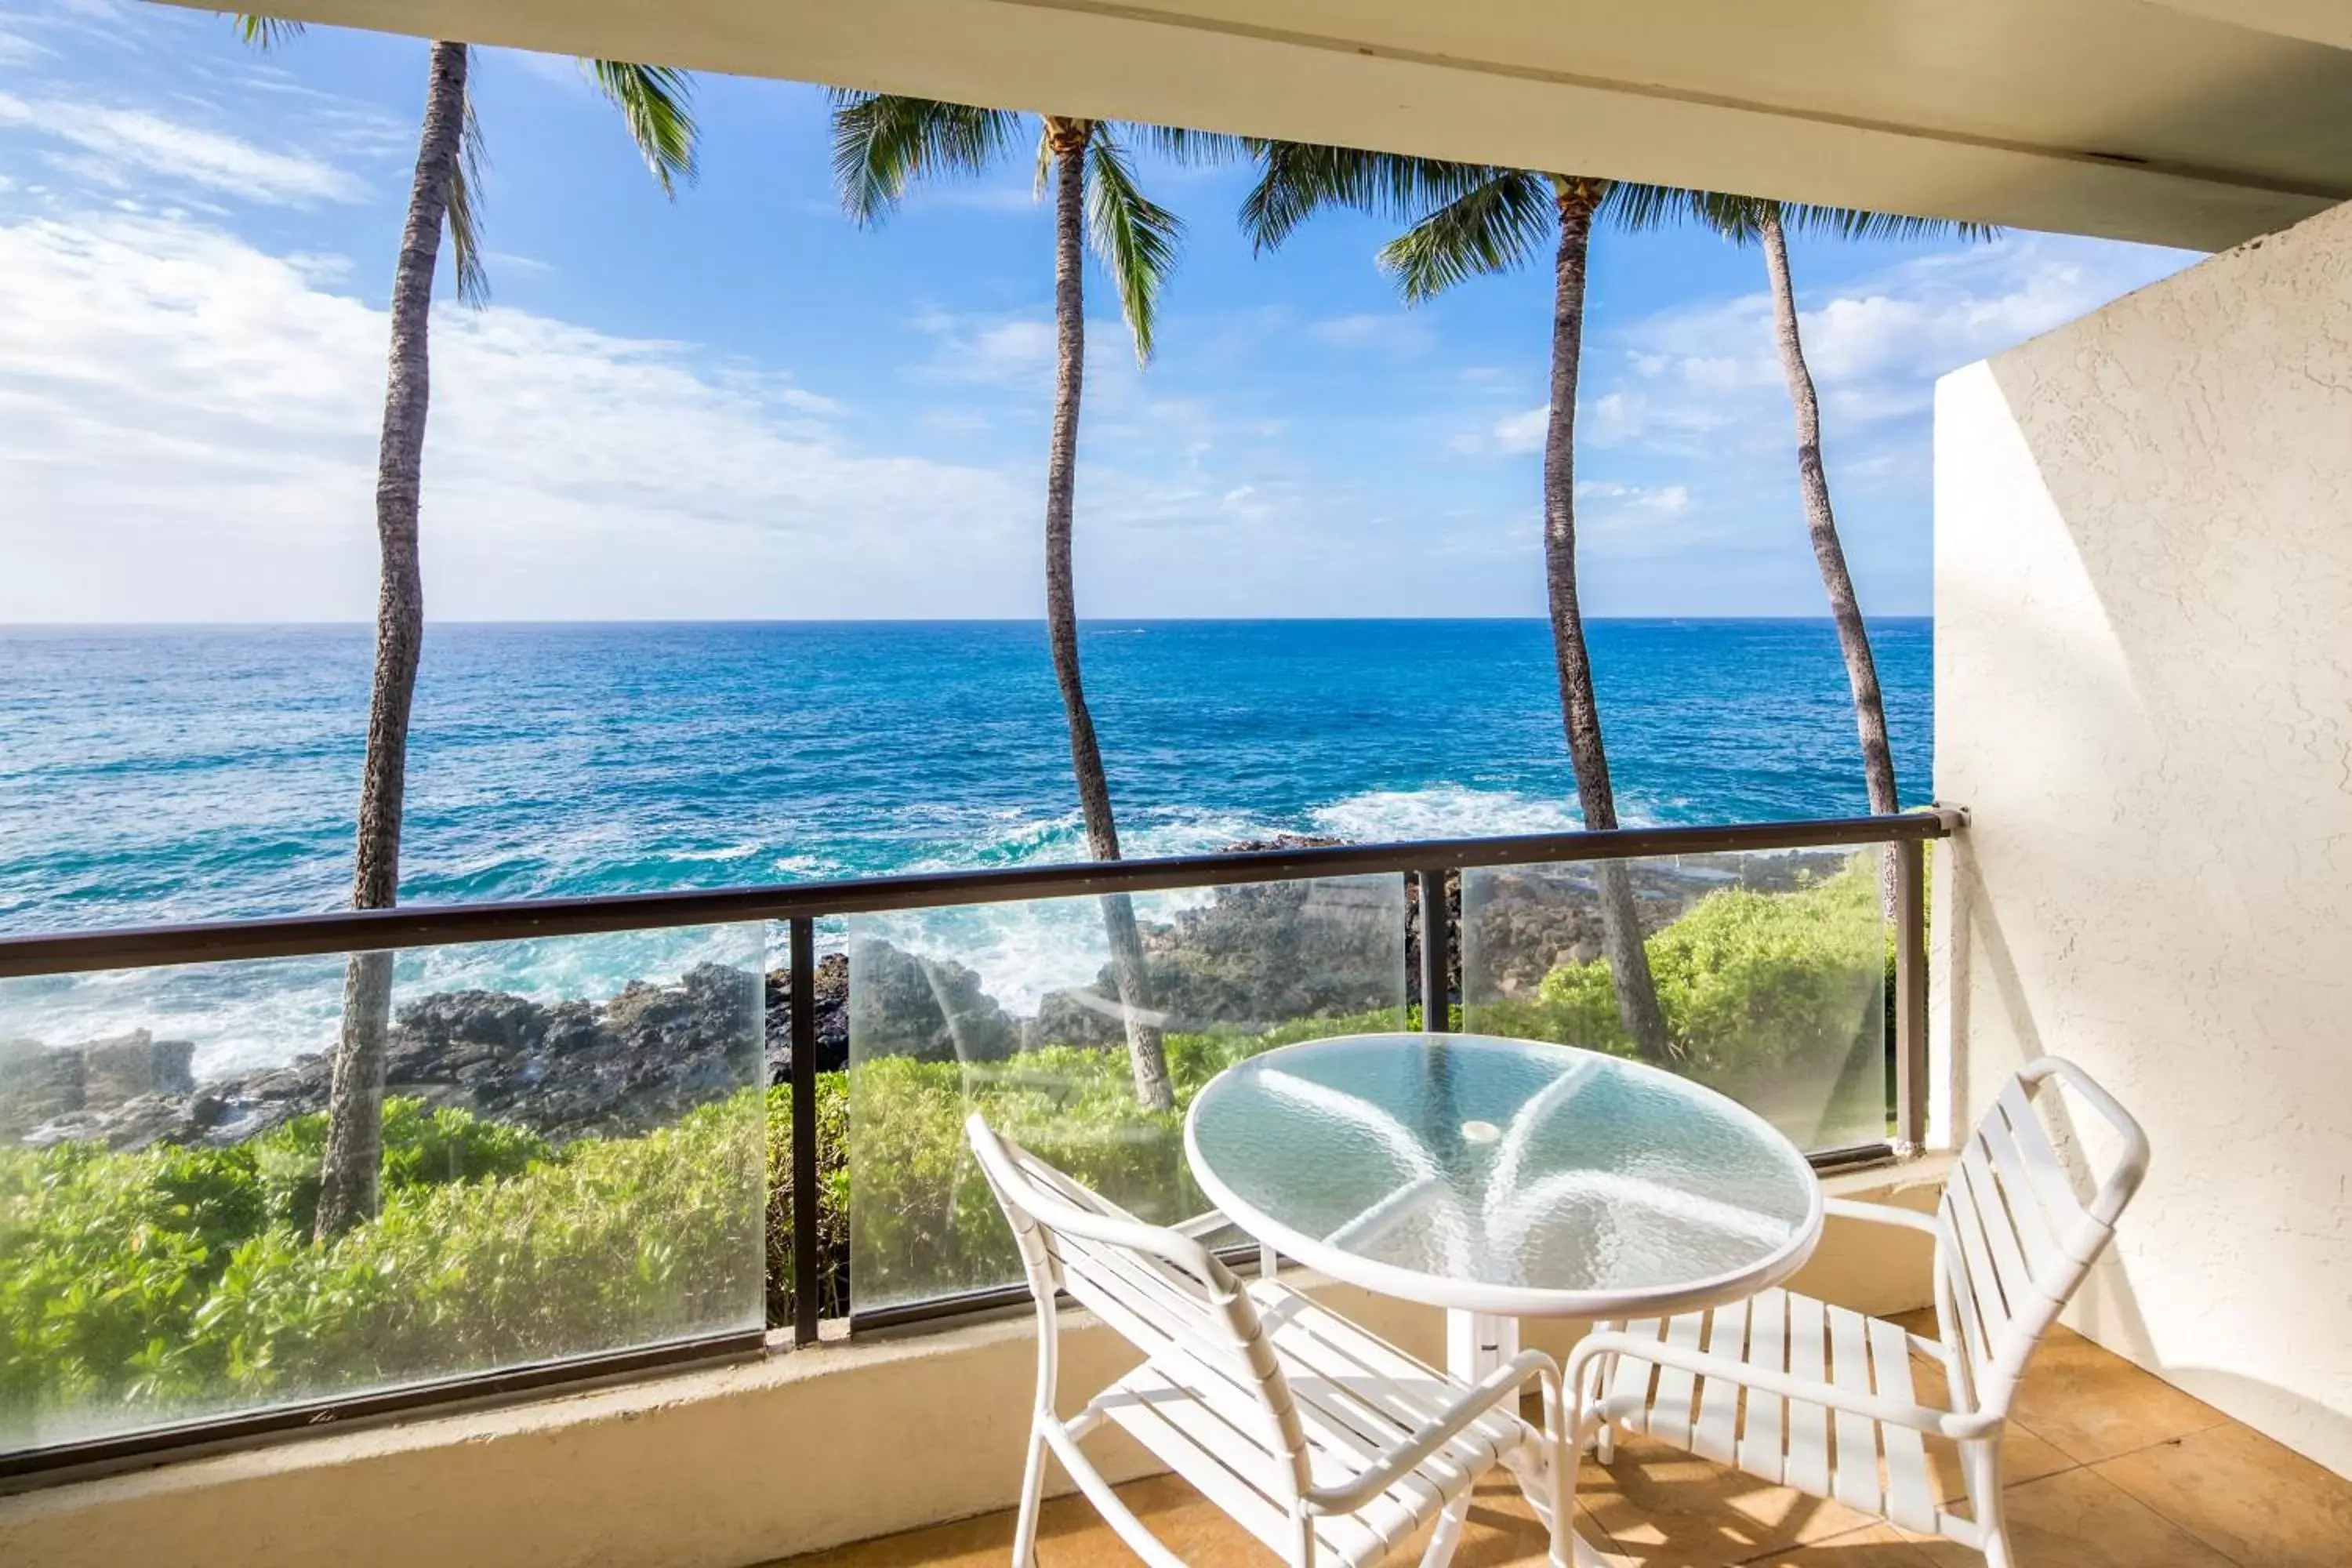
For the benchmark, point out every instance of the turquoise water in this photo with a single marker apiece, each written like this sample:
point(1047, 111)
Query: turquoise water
point(178, 773)
point(186, 773)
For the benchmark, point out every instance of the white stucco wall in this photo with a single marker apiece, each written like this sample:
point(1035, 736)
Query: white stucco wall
point(2144, 698)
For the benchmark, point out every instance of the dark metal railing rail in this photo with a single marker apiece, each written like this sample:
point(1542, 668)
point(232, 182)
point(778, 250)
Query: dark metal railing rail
point(433, 925)
point(800, 905)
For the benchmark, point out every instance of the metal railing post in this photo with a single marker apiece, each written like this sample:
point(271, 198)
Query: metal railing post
point(1437, 951)
point(806, 1272)
point(1910, 997)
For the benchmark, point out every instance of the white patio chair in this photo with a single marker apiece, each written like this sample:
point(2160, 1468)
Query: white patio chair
point(1829, 1407)
point(1324, 1442)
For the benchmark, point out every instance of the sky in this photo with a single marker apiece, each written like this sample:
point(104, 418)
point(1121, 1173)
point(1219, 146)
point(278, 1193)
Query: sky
point(737, 404)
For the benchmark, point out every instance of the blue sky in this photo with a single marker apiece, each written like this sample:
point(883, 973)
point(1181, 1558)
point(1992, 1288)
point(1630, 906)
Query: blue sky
point(739, 405)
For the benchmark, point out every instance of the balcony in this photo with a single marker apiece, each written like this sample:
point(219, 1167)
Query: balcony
point(693, 1321)
point(581, 1155)
point(623, 1249)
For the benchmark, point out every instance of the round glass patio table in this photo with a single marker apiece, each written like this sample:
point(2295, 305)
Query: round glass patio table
point(1502, 1179)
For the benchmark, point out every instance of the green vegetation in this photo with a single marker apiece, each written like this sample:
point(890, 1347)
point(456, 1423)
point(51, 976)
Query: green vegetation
point(182, 1281)
point(1779, 1000)
point(925, 1223)
point(170, 1282)
point(1754, 985)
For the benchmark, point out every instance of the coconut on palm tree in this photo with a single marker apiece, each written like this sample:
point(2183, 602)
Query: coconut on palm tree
point(882, 144)
point(1466, 219)
point(444, 193)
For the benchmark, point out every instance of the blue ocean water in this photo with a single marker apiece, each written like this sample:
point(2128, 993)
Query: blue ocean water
point(185, 773)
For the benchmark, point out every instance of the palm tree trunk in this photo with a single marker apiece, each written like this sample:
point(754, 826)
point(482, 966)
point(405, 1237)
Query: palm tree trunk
point(1821, 521)
point(1853, 639)
point(349, 1169)
point(1621, 926)
point(1146, 1052)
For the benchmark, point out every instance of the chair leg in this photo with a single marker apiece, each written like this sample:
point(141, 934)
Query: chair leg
point(1033, 1495)
point(1983, 1462)
point(1604, 1373)
point(1447, 1535)
point(1568, 1458)
point(1563, 1456)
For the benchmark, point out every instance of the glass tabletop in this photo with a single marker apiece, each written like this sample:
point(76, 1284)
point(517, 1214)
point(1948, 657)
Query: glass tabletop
point(1503, 1175)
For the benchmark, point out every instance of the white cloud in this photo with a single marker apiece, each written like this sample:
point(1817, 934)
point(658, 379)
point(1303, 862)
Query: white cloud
point(556, 70)
point(807, 401)
point(1670, 500)
point(115, 145)
point(989, 349)
point(1388, 331)
point(188, 429)
point(1606, 421)
point(507, 261)
point(1521, 432)
point(1013, 199)
point(1874, 346)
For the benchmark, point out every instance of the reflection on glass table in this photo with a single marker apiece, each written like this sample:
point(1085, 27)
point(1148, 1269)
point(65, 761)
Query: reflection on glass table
point(1501, 1179)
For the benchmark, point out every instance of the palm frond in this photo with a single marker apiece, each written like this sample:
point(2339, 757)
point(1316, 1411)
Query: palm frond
point(883, 142)
point(464, 213)
point(1297, 179)
point(1855, 223)
point(1740, 219)
point(1137, 238)
point(1639, 207)
point(655, 103)
point(1491, 227)
point(264, 32)
point(1196, 148)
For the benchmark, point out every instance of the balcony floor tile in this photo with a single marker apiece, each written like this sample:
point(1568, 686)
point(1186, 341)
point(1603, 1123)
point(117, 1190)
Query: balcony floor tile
point(2169, 1483)
point(2254, 1501)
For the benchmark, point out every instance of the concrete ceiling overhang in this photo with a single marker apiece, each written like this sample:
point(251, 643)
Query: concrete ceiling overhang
point(2189, 122)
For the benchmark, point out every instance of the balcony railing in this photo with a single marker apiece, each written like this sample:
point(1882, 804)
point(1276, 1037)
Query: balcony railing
point(578, 1188)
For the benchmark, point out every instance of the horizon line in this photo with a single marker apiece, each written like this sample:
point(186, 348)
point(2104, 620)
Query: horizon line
point(362, 624)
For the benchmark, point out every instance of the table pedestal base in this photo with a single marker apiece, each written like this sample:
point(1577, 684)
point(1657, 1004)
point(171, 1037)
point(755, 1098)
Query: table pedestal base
point(1475, 1344)
point(1478, 1342)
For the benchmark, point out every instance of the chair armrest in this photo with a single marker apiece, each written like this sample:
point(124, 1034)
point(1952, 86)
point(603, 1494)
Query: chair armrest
point(1201, 1225)
point(1879, 1214)
point(1497, 1388)
point(1959, 1426)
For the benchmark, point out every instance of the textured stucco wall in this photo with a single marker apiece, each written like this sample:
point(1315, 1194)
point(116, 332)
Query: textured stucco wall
point(2143, 697)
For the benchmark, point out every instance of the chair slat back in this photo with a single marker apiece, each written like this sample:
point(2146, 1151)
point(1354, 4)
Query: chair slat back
point(1162, 1290)
point(2016, 1236)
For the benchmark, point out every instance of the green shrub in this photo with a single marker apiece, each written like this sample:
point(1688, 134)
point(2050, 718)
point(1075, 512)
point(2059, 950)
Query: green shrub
point(925, 1223)
point(177, 1280)
point(1773, 998)
point(423, 1145)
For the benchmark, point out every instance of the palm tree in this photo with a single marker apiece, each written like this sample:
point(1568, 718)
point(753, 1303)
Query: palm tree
point(1745, 219)
point(1466, 219)
point(444, 193)
point(881, 144)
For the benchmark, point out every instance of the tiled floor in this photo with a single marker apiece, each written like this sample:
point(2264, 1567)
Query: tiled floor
point(2105, 1467)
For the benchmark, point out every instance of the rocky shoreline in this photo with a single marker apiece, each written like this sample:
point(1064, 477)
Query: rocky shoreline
point(1251, 957)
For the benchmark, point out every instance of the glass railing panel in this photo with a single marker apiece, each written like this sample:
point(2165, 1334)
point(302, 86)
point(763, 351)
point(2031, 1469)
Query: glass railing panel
point(572, 1165)
point(1770, 972)
point(1025, 1012)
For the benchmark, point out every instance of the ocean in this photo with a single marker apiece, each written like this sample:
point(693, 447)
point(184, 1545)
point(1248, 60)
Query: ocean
point(174, 773)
